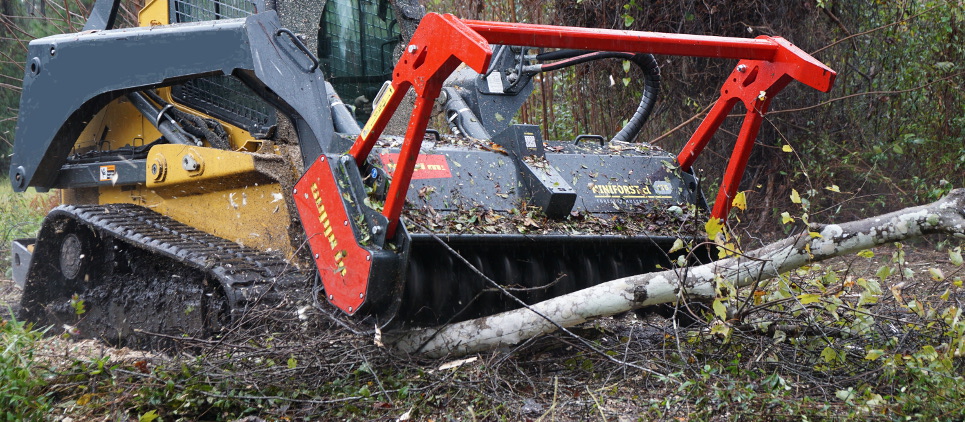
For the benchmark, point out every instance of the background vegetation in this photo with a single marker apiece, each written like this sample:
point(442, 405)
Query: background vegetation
point(891, 132)
point(874, 336)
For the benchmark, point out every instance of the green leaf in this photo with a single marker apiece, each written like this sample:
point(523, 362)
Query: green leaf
point(833, 188)
point(936, 274)
point(883, 272)
point(846, 395)
point(808, 298)
point(829, 355)
point(955, 255)
point(148, 417)
point(677, 245)
point(78, 304)
point(787, 148)
point(867, 253)
point(719, 309)
point(626, 66)
point(292, 362)
point(928, 352)
point(874, 354)
point(795, 197)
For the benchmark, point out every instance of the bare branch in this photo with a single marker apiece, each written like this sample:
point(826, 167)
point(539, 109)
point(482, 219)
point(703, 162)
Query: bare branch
point(945, 216)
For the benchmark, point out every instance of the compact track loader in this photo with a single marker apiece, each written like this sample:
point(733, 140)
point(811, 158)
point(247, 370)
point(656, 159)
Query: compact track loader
point(228, 155)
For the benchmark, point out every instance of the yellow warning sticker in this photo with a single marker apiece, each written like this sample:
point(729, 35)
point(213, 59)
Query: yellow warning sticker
point(108, 173)
point(377, 111)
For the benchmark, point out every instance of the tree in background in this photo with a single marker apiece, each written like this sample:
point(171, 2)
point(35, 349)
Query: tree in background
point(20, 22)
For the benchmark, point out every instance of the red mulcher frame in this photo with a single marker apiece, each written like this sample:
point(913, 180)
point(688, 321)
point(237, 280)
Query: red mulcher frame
point(442, 42)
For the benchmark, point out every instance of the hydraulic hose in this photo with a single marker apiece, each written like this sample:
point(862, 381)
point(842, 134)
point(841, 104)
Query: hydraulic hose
point(209, 129)
point(167, 126)
point(645, 62)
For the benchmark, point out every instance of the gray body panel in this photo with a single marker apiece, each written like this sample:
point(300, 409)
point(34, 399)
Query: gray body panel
point(71, 77)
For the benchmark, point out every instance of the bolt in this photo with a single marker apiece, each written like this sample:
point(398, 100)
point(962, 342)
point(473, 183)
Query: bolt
point(368, 257)
point(361, 295)
point(330, 297)
point(412, 48)
point(742, 68)
point(345, 223)
point(294, 191)
point(154, 169)
point(350, 309)
point(316, 256)
point(376, 229)
point(306, 195)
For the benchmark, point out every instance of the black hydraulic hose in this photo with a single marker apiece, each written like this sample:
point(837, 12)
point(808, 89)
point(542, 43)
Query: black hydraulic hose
point(561, 54)
point(167, 126)
point(644, 61)
point(209, 129)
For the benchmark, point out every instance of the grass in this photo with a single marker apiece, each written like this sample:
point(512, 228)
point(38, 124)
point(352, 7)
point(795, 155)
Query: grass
point(20, 217)
point(21, 378)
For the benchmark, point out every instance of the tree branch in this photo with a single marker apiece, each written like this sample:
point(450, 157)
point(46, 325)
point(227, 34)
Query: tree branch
point(945, 216)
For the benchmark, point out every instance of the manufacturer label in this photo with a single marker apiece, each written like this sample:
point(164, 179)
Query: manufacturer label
point(530, 140)
point(624, 191)
point(433, 166)
point(613, 190)
point(495, 82)
point(108, 173)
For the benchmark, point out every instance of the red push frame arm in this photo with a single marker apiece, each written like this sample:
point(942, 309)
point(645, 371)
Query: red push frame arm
point(441, 42)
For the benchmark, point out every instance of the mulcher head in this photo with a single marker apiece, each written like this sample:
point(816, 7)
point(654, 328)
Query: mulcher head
point(496, 207)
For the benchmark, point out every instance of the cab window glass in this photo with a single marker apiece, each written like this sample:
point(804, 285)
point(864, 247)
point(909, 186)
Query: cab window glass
point(356, 42)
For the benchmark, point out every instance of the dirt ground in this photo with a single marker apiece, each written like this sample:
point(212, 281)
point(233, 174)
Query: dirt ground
point(553, 357)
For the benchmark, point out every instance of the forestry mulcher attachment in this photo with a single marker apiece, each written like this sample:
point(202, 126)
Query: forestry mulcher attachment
point(208, 165)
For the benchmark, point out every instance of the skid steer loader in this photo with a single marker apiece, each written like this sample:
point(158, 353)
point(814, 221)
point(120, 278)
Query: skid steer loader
point(231, 154)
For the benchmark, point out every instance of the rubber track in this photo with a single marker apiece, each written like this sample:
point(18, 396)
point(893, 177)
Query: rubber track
point(247, 276)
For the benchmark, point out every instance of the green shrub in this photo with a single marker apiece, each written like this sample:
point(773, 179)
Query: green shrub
point(21, 380)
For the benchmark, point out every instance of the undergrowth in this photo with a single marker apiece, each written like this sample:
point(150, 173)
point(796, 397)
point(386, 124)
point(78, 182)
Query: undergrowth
point(873, 336)
point(21, 378)
point(20, 217)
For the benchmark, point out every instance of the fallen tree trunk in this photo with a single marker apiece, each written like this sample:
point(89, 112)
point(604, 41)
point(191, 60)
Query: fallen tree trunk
point(945, 216)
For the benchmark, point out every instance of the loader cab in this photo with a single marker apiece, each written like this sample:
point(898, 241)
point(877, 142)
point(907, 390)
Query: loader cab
point(357, 40)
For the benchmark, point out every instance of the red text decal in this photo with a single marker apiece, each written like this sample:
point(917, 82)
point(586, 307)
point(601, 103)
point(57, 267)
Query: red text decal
point(426, 166)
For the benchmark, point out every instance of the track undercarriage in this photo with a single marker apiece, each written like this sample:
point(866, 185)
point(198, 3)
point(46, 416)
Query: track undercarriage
point(124, 273)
